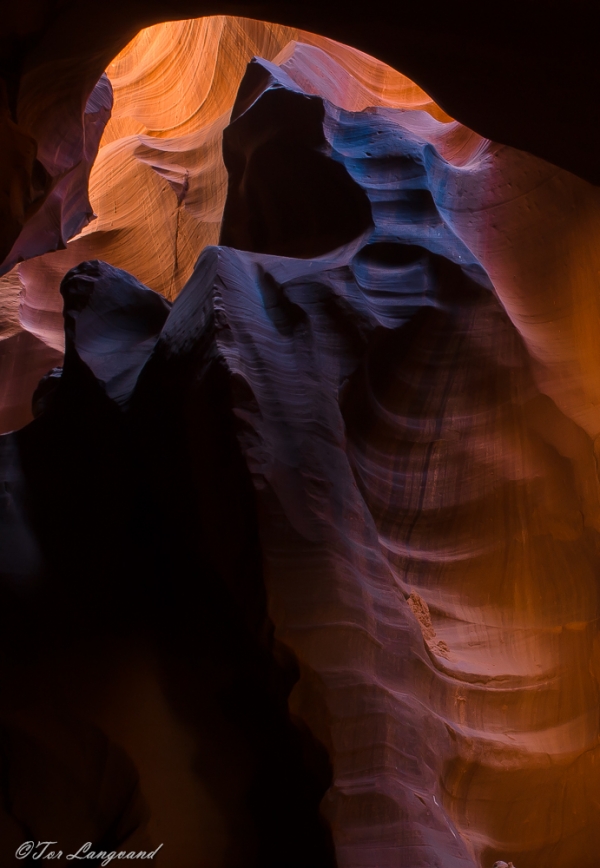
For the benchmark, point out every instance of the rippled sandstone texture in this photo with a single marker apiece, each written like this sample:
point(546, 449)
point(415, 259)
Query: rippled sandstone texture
point(158, 184)
point(417, 475)
point(413, 480)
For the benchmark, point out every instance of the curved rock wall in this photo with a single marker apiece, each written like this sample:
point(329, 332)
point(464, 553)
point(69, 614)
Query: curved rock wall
point(356, 465)
point(158, 184)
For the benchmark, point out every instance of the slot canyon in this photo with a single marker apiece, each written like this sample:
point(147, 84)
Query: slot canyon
point(300, 434)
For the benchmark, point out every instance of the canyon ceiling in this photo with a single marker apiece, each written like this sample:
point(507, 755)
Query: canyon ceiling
point(299, 433)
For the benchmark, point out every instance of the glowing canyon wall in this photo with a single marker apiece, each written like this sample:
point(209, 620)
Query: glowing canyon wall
point(300, 553)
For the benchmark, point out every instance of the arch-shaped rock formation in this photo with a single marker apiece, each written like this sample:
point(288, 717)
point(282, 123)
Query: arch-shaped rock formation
point(300, 554)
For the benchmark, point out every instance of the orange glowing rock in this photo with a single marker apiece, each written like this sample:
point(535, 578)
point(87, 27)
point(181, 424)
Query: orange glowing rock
point(158, 185)
point(417, 409)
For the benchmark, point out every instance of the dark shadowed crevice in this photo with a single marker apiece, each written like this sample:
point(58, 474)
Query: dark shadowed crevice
point(267, 773)
point(152, 542)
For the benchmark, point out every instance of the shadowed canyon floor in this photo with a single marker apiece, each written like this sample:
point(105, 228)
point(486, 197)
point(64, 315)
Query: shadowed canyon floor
point(300, 554)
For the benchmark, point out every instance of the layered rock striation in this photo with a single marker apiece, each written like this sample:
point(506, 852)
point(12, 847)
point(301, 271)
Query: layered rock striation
point(338, 513)
point(158, 184)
